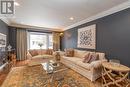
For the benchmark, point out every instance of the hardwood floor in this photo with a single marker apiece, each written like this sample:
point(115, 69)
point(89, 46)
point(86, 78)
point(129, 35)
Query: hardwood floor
point(2, 77)
point(21, 63)
point(5, 71)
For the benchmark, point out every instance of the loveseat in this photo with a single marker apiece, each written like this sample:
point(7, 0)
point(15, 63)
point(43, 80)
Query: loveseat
point(90, 70)
point(40, 53)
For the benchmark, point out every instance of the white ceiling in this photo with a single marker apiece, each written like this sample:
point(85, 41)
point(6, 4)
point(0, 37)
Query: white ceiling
point(55, 14)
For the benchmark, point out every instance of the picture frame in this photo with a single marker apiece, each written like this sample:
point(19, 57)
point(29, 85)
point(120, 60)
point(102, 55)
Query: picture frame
point(87, 37)
point(2, 40)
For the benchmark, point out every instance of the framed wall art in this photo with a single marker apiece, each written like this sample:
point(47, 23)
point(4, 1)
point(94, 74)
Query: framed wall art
point(87, 37)
point(2, 40)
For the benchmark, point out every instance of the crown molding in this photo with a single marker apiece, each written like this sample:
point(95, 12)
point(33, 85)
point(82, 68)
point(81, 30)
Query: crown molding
point(4, 19)
point(113, 10)
point(34, 27)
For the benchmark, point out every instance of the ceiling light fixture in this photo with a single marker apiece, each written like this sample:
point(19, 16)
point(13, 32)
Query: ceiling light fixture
point(16, 4)
point(71, 18)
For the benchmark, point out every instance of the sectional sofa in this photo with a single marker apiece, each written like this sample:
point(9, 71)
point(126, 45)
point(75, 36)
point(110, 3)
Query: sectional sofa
point(90, 70)
point(37, 56)
point(40, 53)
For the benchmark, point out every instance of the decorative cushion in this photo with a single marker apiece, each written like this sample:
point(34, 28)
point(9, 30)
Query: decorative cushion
point(49, 51)
point(33, 52)
point(93, 57)
point(69, 52)
point(41, 51)
point(86, 58)
point(101, 55)
point(79, 53)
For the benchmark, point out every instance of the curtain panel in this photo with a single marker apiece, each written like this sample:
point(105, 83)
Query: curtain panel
point(56, 41)
point(21, 44)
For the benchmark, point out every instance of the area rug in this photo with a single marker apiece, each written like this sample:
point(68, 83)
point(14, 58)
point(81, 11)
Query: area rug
point(36, 76)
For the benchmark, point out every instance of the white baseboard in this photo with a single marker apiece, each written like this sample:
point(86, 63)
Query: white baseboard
point(2, 66)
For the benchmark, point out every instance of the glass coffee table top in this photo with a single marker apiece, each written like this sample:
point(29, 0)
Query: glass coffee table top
point(52, 66)
point(55, 70)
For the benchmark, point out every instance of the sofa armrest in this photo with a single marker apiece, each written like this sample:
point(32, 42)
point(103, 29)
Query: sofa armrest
point(62, 53)
point(96, 64)
point(29, 56)
point(104, 60)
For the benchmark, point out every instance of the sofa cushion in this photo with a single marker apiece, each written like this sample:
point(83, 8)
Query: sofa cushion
point(49, 51)
point(33, 52)
point(69, 52)
point(41, 51)
point(72, 59)
point(43, 56)
point(79, 53)
point(78, 61)
point(84, 65)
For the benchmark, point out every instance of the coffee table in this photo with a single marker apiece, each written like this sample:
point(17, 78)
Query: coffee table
point(49, 66)
point(55, 69)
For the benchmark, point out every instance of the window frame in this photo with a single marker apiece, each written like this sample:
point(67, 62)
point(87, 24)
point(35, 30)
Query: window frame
point(39, 33)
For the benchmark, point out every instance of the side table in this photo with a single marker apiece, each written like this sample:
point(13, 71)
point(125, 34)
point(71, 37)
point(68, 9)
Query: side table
point(11, 59)
point(57, 55)
point(115, 74)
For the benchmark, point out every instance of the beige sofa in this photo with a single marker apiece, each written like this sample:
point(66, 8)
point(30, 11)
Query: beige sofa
point(90, 70)
point(40, 53)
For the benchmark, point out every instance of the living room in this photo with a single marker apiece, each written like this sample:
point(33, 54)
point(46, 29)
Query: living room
point(65, 43)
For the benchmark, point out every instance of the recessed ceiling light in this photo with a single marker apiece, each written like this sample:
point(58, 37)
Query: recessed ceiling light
point(71, 18)
point(16, 4)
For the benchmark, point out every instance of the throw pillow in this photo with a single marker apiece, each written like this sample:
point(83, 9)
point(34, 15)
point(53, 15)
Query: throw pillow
point(69, 52)
point(86, 58)
point(33, 52)
point(93, 57)
point(49, 51)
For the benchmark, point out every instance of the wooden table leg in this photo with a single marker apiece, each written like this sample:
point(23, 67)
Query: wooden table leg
point(122, 77)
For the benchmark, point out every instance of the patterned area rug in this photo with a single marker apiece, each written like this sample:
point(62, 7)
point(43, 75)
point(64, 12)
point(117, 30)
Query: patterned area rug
point(36, 77)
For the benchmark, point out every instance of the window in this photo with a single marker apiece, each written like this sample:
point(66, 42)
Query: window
point(40, 40)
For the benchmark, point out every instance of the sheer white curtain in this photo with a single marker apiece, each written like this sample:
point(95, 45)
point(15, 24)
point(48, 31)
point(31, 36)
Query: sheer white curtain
point(21, 44)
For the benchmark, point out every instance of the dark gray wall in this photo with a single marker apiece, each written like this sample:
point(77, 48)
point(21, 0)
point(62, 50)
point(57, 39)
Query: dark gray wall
point(113, 36)
point(12, 37)
point(3, 30)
